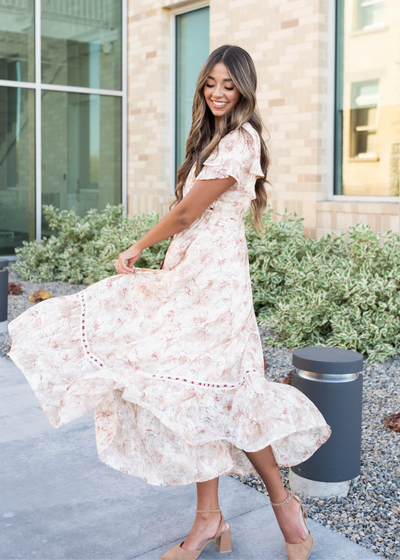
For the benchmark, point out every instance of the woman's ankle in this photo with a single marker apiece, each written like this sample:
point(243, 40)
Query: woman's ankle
point(208, 515)
point(278, 497)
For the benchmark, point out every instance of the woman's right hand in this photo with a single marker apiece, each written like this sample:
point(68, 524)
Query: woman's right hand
point(131, 255)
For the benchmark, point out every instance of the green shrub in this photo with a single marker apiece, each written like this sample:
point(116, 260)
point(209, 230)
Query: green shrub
point(83, 250)
point(329, 292)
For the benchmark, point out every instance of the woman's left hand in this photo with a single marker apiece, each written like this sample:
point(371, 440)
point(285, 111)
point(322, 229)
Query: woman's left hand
point(131, 255)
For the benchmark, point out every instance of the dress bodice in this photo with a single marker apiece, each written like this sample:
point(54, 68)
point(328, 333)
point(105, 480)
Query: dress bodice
point(237, 155)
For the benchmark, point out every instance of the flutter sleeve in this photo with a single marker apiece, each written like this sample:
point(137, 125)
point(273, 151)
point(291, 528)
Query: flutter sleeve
point(237, 155)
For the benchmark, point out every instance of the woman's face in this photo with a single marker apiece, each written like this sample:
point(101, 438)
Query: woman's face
point(220, 93)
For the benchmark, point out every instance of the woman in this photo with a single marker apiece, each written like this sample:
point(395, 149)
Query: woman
point(171, 359)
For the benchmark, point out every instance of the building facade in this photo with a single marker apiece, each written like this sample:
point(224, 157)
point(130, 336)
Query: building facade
point(95, 105)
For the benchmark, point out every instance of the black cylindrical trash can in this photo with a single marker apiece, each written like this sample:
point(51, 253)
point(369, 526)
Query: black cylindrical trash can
point(331, 378)
point(3, 295)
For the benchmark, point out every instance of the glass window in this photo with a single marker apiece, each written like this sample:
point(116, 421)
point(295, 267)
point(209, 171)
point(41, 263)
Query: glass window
point(192, 50)
point(17, 40)
point(81, 148)
point(17, 168)
point(81, 151)
point(367, 113)
point(81, 43)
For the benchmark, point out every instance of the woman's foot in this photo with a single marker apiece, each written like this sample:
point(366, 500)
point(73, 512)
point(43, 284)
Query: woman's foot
point(205, 526)
point(289, 521)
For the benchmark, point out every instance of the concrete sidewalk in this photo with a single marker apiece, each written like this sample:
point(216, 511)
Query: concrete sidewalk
point(58, 501)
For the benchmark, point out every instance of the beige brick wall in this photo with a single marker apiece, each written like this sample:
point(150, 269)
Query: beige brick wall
point(338, 216)
point(289, 44)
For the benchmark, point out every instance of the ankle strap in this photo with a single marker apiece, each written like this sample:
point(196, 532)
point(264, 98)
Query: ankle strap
point(289, 497)
point(206, 510)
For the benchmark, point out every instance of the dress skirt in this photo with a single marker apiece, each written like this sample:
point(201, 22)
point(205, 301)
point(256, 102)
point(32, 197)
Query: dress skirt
point(171, 360)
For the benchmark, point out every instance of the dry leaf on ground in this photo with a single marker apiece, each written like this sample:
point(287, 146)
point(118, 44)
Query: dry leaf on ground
point(393, 422)
point(14, 289)
point(39, 295)
point(287, 380)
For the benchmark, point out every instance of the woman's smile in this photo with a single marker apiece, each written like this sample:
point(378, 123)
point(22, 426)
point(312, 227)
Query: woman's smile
point(219, 104)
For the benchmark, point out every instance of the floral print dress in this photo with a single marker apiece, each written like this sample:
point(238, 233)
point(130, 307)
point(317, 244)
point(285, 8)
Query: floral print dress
point(170, 360)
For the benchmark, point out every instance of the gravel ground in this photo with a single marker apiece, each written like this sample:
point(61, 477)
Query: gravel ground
point(370, 514)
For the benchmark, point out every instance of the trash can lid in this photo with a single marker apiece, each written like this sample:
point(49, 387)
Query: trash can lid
point(3, 262)
point(325, 359)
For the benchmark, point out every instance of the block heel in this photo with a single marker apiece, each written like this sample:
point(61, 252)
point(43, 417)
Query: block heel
point(223, 542)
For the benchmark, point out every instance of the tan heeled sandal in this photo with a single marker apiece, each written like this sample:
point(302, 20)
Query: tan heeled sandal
point(299, 551)
point(222, 541)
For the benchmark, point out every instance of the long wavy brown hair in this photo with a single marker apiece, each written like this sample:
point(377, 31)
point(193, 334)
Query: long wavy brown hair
point(203, 138)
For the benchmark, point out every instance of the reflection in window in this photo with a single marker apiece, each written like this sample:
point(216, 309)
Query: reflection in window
point(81, 43)
point(17, 40)
point(17, 168)
point(81, 151)
point(364, 117)
point(367, 101)
point(370, 14)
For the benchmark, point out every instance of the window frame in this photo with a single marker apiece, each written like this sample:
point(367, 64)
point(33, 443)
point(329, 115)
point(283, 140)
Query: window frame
point(38, 87)
point(173, 23)
point(333, 8)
